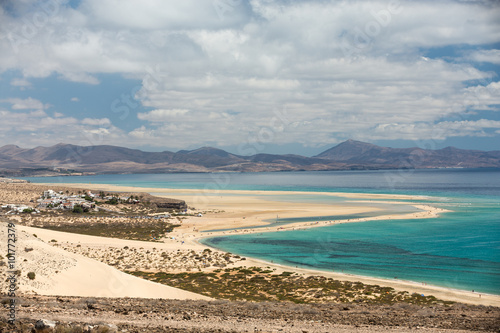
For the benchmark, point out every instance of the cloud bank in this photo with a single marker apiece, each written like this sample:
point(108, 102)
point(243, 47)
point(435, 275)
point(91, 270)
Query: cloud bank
point(218, 72)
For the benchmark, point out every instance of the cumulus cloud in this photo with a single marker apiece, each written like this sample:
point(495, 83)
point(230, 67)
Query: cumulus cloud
point(219, 71)
point(491, 56)
point(100, 122)
point(18, 82)
point(28, 103)
point(29, 129)
point(162, 115)
point(438, 131)
point(157, 14)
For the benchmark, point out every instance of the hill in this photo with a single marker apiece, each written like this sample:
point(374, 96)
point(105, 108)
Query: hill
point(356, 152)
point(349, 155)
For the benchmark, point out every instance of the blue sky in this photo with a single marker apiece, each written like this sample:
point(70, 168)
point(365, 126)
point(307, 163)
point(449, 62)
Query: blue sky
point(260, 76)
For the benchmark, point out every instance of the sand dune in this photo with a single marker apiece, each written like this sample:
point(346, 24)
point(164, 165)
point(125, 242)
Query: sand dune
point(81, 276)
point(58, 272)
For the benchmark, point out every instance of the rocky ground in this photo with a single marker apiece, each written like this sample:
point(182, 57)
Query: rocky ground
point(71, 314)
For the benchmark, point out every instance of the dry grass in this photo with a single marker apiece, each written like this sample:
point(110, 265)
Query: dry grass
point(255, 284)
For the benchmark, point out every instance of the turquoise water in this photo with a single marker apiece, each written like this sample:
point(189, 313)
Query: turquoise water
point(460, 249)
point(469, 182)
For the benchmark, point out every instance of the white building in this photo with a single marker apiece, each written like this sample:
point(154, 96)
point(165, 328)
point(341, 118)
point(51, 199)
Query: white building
point(50, 194)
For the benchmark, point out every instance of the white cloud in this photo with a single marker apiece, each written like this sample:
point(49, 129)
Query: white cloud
point(218, 74)
point(29, 129)
point(437, 131)
point(79, 77)
point(332, 99)
point(100, 122)
point(75, 99)
point(28, 103)
point(162, 115)
point(18, 82)
point(491, 56)
point(38, 113)
point(158, 14)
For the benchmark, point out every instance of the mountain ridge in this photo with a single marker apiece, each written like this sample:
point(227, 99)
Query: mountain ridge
point(349, 155)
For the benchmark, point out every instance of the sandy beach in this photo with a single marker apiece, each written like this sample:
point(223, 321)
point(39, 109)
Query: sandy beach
point(241, 210)
point(62, 273)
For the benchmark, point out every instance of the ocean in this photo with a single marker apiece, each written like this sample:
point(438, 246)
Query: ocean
point(460, 249)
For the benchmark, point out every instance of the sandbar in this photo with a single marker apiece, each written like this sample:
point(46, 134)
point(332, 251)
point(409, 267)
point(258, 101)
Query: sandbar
point(238, 211)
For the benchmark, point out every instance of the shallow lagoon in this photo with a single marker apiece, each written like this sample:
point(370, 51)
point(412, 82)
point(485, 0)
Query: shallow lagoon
point(460, 249)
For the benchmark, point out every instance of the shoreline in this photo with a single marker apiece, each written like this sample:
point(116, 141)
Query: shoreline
point(190, 233)
point(210, 192)
point(410, 286)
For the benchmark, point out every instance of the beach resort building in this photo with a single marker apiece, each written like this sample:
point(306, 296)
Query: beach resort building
point(51, 194)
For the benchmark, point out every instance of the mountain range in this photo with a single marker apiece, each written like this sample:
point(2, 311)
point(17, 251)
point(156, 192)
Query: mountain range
point(349, 155)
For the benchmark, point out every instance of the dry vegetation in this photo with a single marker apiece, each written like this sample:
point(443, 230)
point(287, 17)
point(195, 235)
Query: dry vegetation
point(154, 260)
point(125, 221)
point(151, 231)
point(256, 284)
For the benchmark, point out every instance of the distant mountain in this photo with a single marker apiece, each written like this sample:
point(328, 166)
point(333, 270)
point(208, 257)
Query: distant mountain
point(356, 152)
point(349, 155)
point(10, 149)
point(207, 151)
point(207, 157)
point(349, 150)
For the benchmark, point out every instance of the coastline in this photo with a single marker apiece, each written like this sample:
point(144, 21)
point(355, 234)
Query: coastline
point(449, 294)
point(248, 209)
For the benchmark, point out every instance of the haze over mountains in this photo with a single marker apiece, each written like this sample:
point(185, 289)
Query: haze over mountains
point(349, 155)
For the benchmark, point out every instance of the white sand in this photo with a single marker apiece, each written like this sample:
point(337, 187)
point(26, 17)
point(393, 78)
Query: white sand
point(237, 209)
point(58, 272)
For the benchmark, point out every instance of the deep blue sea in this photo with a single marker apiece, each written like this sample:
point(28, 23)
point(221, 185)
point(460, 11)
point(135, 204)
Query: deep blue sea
point(460, 249)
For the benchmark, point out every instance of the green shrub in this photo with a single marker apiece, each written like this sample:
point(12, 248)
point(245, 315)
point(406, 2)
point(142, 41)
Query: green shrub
point(31, 275)
point(78, 210)
point(113, 201)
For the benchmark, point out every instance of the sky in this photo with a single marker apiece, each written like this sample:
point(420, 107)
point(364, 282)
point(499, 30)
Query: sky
point(250, 76)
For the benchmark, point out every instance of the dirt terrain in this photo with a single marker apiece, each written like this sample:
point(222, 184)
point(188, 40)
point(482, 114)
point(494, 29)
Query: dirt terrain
point(73, 314)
